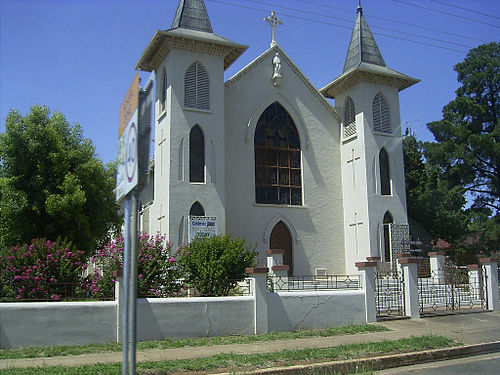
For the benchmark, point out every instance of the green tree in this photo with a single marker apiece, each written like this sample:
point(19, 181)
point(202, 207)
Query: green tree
point(467, 150)
point(214, 265)
point(51, 182)
point(431, 201)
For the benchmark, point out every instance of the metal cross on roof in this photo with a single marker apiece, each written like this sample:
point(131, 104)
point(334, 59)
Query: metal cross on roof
point(273, 21)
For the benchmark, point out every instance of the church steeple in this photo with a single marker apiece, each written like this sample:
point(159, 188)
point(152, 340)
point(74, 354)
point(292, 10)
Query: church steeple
point(192, 14)
point(363, 47)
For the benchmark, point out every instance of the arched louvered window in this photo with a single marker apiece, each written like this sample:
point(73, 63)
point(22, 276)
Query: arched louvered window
point(387, 236)
point(197, 210)
point(278, 174)
point(163, 91)
point(349, 118)
point(385, 173)
point(196, 155)
point(381, 117)
point(196, 87)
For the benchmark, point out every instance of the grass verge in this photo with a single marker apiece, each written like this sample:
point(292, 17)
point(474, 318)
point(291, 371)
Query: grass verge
point(179, 343)
point(244, 363)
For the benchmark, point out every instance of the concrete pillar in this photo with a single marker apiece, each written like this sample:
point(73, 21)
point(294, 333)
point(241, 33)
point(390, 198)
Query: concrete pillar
point(437, 264)
point(260, 293)
point(398, 257)
point(475, 280)
point(118, 276)
point(491, 269)
point(367, 281)
point(409, 267)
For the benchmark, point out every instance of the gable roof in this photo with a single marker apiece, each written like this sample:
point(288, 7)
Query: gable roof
point(284, 57)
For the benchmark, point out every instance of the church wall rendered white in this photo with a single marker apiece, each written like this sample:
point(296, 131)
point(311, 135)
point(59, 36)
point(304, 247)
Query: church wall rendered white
point(369, 205)
point(317, 226)
point(174, 194)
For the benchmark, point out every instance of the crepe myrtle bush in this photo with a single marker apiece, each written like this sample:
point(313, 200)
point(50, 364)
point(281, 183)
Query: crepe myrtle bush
point(157, 271)
point(214, 265)
point(42, 270)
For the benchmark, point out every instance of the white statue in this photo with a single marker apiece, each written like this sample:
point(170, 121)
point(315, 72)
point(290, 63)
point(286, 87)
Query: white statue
point(277, 66)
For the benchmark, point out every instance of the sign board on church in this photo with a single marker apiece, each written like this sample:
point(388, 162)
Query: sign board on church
point(204, 226)
point(127, 174)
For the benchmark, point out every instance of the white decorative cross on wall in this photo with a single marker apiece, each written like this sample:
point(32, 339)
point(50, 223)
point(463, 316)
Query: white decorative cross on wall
point(356, 224)
point(273, 21)
point(353, 161)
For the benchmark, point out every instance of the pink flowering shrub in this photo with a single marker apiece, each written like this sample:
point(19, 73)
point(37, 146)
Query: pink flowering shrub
point(38, 271)
point(157, 271)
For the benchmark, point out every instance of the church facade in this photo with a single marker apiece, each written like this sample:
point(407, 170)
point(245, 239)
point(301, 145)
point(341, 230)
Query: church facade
point(266, 157)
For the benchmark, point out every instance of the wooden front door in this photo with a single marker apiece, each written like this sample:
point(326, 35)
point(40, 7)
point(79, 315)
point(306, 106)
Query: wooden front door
point(281, 239)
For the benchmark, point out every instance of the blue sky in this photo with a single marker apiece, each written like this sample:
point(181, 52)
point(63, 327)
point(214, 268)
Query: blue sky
point(78, 56)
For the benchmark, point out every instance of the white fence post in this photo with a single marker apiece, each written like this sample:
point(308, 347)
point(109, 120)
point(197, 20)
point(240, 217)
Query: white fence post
point(475, 280)
point(367, 271)
point(409, 267)
point(118, 275)
point(490, 266)
point(259, 291)
point(437, 264)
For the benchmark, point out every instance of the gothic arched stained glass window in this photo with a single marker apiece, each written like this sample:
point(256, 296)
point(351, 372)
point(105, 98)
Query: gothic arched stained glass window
point(278, 172)
point(196, 155)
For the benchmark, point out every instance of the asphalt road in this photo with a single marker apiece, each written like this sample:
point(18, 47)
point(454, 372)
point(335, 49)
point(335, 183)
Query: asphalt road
point(481, 364)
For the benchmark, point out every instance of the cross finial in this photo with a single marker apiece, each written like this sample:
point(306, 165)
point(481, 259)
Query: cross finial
point(273, 21)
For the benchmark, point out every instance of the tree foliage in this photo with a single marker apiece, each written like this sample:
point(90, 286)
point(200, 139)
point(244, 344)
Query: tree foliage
point(52, 185)
point(467, 150)
point(431, 200)
point(214, 265)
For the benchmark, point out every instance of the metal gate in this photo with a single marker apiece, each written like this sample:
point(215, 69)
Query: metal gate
point(389, 294)
point(453, 288)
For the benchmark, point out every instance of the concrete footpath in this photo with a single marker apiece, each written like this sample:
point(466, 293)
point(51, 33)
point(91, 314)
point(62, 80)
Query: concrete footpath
point(478, 331)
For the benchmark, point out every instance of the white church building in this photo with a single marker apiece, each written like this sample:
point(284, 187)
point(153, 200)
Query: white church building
point(267, 157)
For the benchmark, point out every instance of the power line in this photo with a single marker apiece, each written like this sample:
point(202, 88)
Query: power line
point(349, 21)
point(395, 21)
point(341, 26)
point(446, 13)
point(466, 9)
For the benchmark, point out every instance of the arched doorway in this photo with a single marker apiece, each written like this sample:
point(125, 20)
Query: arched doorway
point(282, 239)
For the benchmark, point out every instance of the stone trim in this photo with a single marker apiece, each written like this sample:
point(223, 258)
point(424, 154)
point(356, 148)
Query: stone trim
point(284, 267)
point(436, 253)
point(365, 264)
point(403, 255)
point(409, 261)
point(488, 260)
point(253, 270)
point(472, 266)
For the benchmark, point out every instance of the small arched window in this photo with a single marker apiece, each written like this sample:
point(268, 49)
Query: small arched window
point(278, 173)
point(163, 91)
point(385, 173)
point(197, 209)
point(196, 155)
point(196, 87)
point(387, 236)
point(381, 117)
point(349, 118)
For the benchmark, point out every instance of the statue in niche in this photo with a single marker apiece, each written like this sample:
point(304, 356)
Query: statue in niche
point(277, 77)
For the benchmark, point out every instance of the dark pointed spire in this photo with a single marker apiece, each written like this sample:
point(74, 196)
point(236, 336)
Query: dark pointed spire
point(363, 47)
point(192, 14)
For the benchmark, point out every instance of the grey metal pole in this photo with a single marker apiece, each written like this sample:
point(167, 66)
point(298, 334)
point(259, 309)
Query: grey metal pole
point(133, 284)
point(126, 282)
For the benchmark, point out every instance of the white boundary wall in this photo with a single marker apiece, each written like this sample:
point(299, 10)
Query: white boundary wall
point(77, 323)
